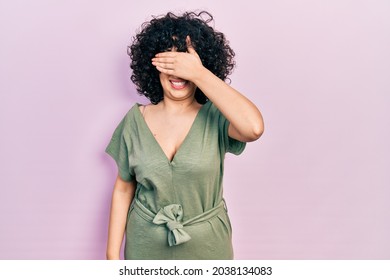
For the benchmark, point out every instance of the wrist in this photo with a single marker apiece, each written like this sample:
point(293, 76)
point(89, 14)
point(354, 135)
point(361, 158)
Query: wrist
point(200, 74)
point(112, 257)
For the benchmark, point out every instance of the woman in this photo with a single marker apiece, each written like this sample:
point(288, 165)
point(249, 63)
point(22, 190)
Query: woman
point(168, 193)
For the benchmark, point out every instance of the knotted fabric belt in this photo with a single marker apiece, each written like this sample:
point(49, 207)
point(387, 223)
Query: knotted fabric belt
point(172, 215)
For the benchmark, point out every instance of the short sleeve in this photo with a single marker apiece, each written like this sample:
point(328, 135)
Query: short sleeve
point(231, 145)
point(118, 150)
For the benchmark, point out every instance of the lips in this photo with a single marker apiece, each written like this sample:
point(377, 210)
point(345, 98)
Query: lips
point(178, 84)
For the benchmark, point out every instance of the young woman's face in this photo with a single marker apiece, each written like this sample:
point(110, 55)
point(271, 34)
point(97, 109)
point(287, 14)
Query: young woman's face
point(176, 88)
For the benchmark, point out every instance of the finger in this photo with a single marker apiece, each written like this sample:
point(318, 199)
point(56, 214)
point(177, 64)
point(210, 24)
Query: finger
point(165, 71)
point(190, 48)
point(166, 54)
point(163, 65)
point(164, 59)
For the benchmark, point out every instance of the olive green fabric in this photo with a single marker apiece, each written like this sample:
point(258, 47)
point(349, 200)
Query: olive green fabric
point(188, 186)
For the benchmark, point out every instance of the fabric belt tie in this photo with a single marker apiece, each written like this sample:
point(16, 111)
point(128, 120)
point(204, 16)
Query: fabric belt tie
point(172, 216)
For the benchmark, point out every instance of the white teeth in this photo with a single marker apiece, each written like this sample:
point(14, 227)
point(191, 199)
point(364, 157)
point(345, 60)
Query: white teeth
point(179, 84)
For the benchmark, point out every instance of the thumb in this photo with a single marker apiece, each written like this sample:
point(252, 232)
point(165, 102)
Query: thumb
point(190, 48)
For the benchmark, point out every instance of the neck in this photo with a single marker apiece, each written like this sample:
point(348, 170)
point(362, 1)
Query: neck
point(178, 106)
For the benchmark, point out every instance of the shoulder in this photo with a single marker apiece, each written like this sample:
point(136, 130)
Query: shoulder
point(128, 120)
point(132, 113)
point(142, 108)
point(134, 117)
point(211, 110)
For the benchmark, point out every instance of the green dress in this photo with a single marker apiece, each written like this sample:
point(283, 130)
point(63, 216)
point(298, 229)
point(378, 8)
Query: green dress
point(178, 211)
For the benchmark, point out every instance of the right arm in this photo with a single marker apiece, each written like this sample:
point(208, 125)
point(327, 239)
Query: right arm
point(122, 196)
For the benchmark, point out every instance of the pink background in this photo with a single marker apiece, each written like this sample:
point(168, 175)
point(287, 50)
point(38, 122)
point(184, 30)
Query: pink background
point(315, 186)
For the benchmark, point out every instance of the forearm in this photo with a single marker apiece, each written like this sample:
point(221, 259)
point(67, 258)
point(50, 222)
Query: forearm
point(120, 203)
point(242, 114)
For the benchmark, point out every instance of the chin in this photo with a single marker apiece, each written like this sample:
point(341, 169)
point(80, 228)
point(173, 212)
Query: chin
point(182, 94)
point(179, 96)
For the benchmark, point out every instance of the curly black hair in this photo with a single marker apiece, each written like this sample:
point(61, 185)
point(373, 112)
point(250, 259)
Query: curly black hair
point(164, 32)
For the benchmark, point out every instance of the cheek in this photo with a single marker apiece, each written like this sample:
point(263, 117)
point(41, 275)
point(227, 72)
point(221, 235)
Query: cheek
point(163, 78)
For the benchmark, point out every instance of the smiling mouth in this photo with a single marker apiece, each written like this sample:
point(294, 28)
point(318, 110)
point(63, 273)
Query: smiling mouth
point(178, 84)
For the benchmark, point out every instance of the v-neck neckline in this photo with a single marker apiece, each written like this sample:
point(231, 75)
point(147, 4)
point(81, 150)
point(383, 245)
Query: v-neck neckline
point(155, 140)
